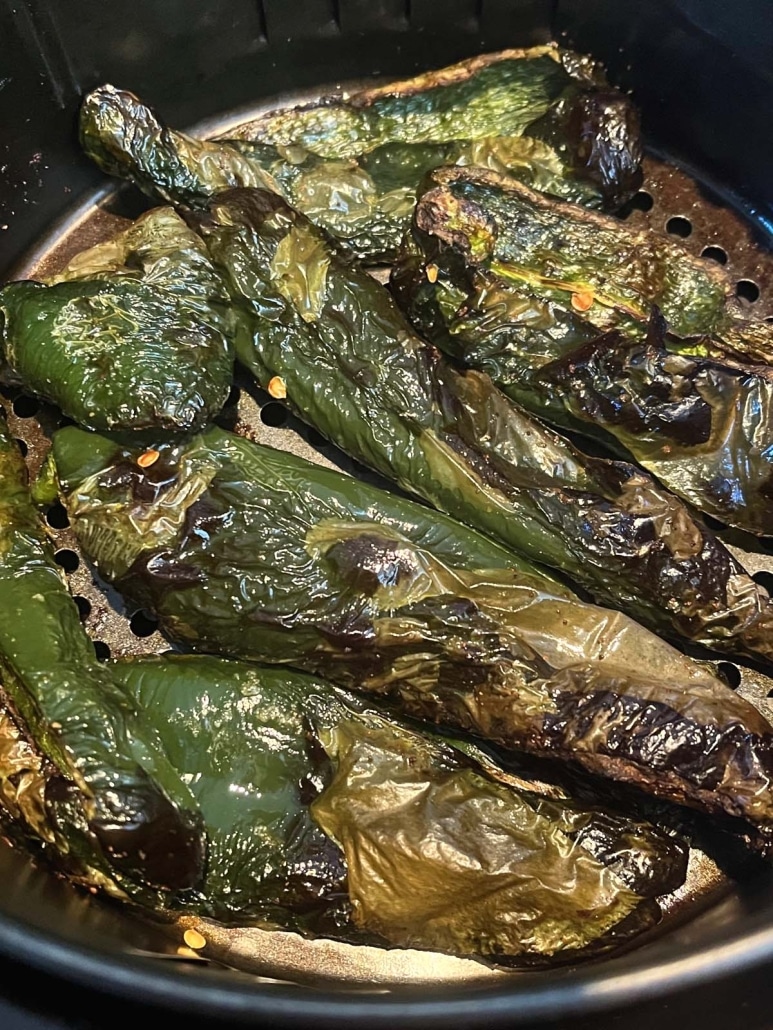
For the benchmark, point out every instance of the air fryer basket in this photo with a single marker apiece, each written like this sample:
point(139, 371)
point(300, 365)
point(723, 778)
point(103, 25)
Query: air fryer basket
point(702, 79)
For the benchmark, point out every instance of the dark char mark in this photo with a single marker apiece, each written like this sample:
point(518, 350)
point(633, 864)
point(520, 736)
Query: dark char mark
point(143, 834)
point(655, 738)
point(622, 383)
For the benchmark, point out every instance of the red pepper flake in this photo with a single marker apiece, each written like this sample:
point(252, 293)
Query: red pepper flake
point(148, 458)
point(277, 388)
point(195, 940)
point(582, 301)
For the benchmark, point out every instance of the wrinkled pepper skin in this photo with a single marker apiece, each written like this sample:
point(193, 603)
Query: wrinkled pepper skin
point(352, 367)
point(111, 800)
point(352, 165)
point(586, 261)
point(134, 333)
point(250, 552)
point(701, 426)
point(288, 773)
point(329, 817)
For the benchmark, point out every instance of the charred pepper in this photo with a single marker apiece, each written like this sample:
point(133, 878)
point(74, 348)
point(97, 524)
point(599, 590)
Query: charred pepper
point(352, 164)
point(352, 366)
point(254, 553)
point(287, 789)
point(108, 798)
point(329, 817)
point(134, 333)
point(590, 263)
point(701, 426)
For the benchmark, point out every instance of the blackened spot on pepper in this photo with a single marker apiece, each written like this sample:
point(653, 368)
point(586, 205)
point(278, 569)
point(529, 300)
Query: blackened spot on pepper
point(248, 207)
point(618, 382)
point(603, 837)
point(144, 834)
point(446, 221)
point(353, 631)
point(145, 484)
point(266, 618)
point(481, 463)
point(152, 573)
point(320, 773)
point(370, 562)
point(59, 789)
point(360, 372)
point(594, 128)
point(462, 675)
point(726, 492)
point(205, 518)
point(657, 737)
point(315, 875)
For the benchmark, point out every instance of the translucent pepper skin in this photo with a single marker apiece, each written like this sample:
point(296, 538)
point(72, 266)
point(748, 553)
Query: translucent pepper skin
point(132, 334)
point(353, 164)
point(355, 369)
point(301, 786)
point(111, 803)
point(589, 262)
point(250, 552)
point(702, 426)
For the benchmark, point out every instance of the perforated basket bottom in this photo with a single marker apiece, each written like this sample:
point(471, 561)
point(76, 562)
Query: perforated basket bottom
point(671, 201)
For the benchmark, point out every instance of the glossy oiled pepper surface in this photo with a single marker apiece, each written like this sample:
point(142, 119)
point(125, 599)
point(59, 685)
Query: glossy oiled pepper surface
point(251, 552)
point(328, 817)
point(703, 427)
point(351, 365)
point(134, 333)
point(352, 164)
point(589, 262)
point(108, 799)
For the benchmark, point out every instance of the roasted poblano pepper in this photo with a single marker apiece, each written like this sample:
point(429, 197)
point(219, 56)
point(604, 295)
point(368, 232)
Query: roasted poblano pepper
point(352, 164)
point(292, 786)
point(351, 366)
point(703, 427)
point(254, 553)
point(328, 817)
point(299, 787)
point(105, 795)
point(133, 333)
point(588, 262)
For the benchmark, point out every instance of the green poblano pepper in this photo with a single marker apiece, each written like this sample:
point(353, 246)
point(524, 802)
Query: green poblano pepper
point(352, 366)
point(134, 333)
point(588, 262)
point(328, 817)
point(298, 786)
point(111, 802)
point(352, 164)
point(251, 552)
point(700, 425)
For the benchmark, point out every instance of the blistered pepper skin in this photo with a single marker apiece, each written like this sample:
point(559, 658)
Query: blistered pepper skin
point(586, 261)
point(353, 367)
point(699, 424)
point(249, 552)
point(110, 797)
point(353, 164)
point(301, 785)
point(134, 333)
